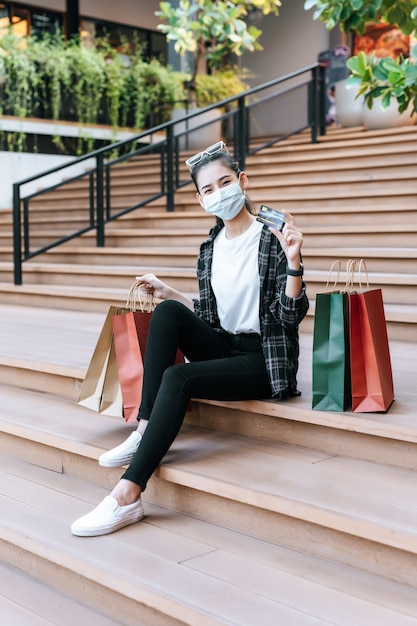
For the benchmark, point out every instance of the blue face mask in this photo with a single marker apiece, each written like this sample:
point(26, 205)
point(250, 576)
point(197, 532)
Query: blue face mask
point(226, 202)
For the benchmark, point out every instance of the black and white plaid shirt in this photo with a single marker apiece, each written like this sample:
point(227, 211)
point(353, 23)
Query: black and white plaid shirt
point(279, 315)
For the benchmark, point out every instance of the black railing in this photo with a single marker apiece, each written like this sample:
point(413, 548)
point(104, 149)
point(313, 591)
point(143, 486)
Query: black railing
point(238, 115)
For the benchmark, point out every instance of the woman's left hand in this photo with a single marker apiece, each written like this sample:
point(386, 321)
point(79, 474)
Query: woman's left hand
point(291, 238)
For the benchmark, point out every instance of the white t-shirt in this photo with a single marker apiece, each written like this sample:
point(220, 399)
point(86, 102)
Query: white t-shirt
point(235, 280)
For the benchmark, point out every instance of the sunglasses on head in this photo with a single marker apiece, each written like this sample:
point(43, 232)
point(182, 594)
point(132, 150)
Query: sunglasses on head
point(195, 160)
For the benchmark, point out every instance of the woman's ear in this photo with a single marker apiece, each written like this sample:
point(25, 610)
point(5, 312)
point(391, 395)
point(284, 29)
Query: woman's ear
point(244, 180)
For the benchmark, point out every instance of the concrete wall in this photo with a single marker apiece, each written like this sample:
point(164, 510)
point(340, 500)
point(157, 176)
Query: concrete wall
point(290, 42)
point(131, 12)
point(15, 167)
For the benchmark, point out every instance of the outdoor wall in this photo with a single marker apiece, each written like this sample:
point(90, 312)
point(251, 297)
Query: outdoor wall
point(130, 12)
point(291, 41)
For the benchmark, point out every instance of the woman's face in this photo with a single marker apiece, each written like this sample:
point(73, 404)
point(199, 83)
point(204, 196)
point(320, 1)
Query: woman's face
point(216, 175)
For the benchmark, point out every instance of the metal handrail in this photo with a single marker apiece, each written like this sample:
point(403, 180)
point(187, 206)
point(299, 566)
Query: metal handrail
point(100, 211)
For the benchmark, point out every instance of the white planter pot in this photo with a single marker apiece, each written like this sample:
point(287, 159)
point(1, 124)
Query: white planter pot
point(348, 108)
point(202, 137)
point(377, 117)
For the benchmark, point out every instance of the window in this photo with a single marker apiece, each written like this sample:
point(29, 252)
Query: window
point(121, 37)
point(27, 21)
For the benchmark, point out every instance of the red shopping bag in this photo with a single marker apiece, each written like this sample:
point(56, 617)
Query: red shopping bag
point(370, 360)
point(130, 351)
point(130, 335)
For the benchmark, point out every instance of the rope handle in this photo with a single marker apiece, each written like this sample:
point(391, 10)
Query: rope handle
point(139, 300)
point(332, 269)
point(363, 268)
point(350, 275)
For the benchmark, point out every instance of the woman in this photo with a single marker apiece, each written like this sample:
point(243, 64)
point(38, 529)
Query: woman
point(240, 337)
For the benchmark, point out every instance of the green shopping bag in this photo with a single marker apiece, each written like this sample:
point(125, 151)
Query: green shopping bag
point(331, 366)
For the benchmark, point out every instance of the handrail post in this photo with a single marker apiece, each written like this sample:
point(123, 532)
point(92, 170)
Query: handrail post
point(17, 235)
point(322, 98)
point(170, 168)
point(100, 200)
point(240, 134)
point(313, 105)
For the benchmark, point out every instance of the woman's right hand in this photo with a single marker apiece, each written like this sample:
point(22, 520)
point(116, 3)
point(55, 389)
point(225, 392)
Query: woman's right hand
point(151, 284)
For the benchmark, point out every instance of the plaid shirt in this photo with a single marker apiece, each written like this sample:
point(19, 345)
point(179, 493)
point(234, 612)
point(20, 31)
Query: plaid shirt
point(279, 315)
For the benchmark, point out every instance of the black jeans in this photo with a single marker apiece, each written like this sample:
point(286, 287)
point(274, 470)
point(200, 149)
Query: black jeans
point(221, 367)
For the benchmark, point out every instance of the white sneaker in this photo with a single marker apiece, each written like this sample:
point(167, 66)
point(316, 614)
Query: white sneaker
point(107, 517)
point(122, 454)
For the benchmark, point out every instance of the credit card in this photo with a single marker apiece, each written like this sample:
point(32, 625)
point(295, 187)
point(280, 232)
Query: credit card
point(271, 217)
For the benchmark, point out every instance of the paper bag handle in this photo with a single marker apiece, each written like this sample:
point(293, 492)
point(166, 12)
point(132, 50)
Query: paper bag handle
point(138, 300)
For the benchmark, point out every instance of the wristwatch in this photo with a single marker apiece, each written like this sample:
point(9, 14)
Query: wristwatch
point(299, 272)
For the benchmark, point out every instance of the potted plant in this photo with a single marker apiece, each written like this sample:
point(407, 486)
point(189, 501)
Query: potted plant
point(211, 33)
point(377, 80)
point(392, 82)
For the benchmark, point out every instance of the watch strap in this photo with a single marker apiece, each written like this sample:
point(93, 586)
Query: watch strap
point(299, 272)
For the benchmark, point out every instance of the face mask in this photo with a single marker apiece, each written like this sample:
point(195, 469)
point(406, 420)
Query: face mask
point(225, 202)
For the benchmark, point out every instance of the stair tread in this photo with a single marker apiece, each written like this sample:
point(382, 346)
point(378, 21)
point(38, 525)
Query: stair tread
point(203, 567)
point(374, 501)
point(26, 601)
point(342, 480)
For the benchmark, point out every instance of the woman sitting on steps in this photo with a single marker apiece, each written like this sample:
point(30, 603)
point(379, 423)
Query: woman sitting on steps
point(240, 337)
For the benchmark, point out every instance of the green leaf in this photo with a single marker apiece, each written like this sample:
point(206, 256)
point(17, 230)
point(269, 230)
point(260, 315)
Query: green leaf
point(309, 4)
point(353, 82)
point(386, 100)
point(380, 74)
point(411, 75)
point(390, 65)
point(362, 62)
point(353, 64)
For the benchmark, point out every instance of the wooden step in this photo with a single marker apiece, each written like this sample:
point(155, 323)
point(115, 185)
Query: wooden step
point(118, 277)
point(389, 260)
point(191, 572)
point(69, 220)
point(262, 441)
point(152, 256)
point(401, 319)
point(396, 288)
point(397, 260)
point(291, 495)
point(26, 601)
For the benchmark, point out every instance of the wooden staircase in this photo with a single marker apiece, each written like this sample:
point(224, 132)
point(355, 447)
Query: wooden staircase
point(354, 195)
point(262, 512)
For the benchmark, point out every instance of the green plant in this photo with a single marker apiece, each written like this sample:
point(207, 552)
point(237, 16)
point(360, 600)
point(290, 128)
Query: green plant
point(20, 85)
point(60, 80)
point(213, 29)
point(354, 15)
point(385, 78)
point(209, 88)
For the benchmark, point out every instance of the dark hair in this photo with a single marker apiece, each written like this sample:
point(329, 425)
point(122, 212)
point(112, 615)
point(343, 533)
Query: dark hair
point(228, 162)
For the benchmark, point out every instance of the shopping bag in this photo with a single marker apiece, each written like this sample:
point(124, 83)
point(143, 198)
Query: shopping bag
point(331, 374)
point(111, 396)
point(98, 380)
point(370, 360)
point(130, 334)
